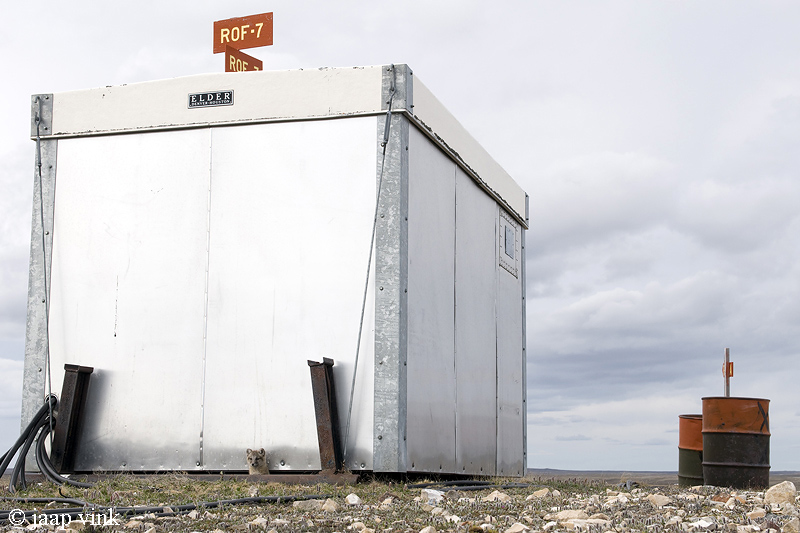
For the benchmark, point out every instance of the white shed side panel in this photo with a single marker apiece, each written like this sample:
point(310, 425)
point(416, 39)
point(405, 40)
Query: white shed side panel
point(291, 218)
point(475, 332)
point(127, 293)
point(431, 307)
point(510, 364)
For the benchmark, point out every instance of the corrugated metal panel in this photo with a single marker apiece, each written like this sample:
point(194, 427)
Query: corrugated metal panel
point(476, 270)
point(129, 256)
point(510, 375)
point(289, 238)
point(431, 308)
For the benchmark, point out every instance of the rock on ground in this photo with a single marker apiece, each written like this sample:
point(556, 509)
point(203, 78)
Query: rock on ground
point(352, 499)
point(784, 492)
point(497, 496)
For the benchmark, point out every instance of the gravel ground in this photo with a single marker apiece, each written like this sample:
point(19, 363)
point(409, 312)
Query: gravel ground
point(545, 505)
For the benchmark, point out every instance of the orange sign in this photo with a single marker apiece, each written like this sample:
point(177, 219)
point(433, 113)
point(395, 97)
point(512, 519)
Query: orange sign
point(243, 32)
point(236, 61)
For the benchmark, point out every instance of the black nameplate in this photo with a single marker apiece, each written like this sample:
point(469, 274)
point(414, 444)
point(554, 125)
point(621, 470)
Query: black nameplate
point(211, 99)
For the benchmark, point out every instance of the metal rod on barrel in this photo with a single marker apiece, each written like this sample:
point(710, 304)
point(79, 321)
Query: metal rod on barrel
point(727, 370)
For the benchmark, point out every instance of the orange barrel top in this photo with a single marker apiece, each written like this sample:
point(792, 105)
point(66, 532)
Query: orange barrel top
point(736, 415)
point(690, 432)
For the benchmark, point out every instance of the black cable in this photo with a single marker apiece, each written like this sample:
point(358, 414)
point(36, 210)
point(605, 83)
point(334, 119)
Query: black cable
point(18, 474)
point(22, 499)
point(42, 412)
point(47, 467)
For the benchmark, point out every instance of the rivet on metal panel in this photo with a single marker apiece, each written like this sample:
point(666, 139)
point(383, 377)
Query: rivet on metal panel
point(381, 215)
point(363, 465)
point(198, 463)
point(380, 437)
point(381, 288)
point(283, 463)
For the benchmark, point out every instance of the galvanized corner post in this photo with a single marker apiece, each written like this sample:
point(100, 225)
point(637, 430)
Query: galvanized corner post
point(524, 344)
point(391, 276)
point(36, 328)
point(328, 434)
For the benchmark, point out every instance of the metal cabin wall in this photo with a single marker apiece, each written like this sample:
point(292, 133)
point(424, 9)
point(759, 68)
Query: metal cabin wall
point(128, 293)
point(211, 278)
point(511, 383)
point(289, 242)
point(431, 304)
point(465, 324)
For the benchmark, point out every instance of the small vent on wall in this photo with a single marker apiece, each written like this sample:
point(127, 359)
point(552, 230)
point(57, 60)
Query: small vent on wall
point(509, 246)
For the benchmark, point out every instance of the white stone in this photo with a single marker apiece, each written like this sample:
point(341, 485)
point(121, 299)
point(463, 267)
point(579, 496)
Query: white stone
point(352, 499)
point(357, 526)
point(260, 521)
point(330, 506)
point(556, 494)
point(784, 492)
point(431, 496)
point(308, 505)
point(195, 514)
point(538, 494)
point(428, 529)
point(497, 496)
point(453, 518)
point(757, 513)
point(517, 528)
point(571, 514)
point(658, 500)
point(792, 526)
point(550, 525)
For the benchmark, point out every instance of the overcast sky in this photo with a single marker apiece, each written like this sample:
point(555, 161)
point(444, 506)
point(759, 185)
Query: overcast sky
point(659, 143)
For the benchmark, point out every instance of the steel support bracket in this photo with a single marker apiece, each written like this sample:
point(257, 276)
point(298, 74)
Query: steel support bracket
point(328, 433)
point(70, 416)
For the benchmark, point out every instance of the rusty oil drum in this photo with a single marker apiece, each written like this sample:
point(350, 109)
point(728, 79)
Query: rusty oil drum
point(690, 450)
point(736, 442)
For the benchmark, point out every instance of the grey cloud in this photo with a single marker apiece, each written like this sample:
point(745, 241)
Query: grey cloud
point(572, 437)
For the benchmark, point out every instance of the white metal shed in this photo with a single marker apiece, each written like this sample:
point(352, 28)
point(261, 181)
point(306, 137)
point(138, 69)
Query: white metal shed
point(198, 239)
